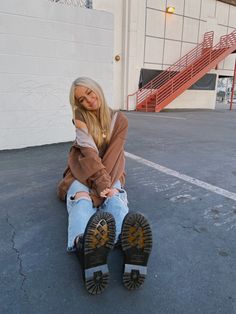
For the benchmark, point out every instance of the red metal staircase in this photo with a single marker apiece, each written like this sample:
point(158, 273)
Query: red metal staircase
point(163, 89)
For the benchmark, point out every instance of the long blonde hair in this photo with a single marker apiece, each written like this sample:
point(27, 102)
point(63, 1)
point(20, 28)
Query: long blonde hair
point(99, 124)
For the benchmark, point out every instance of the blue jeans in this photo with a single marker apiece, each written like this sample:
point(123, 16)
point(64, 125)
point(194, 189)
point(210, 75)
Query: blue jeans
point(80, 211)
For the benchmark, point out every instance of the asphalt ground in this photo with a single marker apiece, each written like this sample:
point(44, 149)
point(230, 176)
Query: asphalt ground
point(192, 265)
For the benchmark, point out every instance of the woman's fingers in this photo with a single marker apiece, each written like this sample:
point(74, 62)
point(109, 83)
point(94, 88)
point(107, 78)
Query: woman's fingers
point(109, 192)
point(105, 192)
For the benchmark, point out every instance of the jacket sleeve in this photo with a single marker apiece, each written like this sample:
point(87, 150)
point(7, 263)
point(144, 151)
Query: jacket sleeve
point(85, 163)
point(116, 145)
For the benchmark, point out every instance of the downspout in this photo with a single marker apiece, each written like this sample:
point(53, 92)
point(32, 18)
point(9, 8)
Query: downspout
point(125, 49)
point(232, 91)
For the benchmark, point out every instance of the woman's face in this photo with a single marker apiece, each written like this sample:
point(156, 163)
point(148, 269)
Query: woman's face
point(87, 98)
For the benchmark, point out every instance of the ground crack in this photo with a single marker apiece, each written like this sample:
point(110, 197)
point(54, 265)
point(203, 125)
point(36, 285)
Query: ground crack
point(19, 260)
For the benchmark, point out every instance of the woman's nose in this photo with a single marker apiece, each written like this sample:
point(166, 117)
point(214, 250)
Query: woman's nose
point(90, 98)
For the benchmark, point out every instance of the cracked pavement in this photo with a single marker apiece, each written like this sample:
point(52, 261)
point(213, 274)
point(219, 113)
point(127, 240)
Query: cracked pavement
point(192, 266)
point(19, 260)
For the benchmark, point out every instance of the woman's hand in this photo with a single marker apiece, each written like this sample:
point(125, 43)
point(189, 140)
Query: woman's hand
point(105, 192)
point(109, 192)
point(112, 192)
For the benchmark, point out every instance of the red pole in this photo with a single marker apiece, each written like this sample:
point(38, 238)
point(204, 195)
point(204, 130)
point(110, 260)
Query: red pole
point(232, 92)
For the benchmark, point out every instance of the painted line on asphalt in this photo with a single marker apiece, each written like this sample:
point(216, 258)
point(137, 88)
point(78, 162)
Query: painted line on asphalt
point(157, 116)
point(184, 177)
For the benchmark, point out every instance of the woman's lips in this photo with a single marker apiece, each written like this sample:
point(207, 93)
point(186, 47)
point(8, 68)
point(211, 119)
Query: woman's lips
point(94, 104)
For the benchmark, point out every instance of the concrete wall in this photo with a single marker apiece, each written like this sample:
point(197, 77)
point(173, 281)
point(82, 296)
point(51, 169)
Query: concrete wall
point(44, 47)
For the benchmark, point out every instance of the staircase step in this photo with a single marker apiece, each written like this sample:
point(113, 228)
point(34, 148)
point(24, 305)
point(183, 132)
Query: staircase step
point(144, 110)
point(148, 106)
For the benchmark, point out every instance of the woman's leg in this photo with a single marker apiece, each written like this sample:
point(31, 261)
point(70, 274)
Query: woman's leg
point(80, 209)
point(117, 206)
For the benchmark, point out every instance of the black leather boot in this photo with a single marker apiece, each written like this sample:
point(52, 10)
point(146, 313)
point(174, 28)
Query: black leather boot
point(93, 249)
point(136, 241)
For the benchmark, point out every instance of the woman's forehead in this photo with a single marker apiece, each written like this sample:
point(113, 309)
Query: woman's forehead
point(80, 91)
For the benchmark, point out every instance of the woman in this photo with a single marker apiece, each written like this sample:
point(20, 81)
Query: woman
point(92, 186)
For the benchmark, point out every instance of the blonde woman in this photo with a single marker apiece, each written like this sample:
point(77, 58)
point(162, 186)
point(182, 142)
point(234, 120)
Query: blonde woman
point(93, 187)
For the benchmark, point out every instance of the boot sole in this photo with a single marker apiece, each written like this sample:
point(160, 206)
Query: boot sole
point(136, 241)
point(99, 239)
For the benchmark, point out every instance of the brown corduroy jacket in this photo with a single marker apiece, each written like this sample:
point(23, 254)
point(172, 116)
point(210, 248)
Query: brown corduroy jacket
point(85, 165)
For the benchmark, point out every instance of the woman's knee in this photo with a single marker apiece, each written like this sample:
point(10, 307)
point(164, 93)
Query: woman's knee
point(119, 199)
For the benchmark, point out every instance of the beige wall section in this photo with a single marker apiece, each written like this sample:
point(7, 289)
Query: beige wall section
point(156, 4)
point(194, 99)
point(232, 16)
point(151, 28)
point(208, 8)
point(190, 30)
point(170, 46)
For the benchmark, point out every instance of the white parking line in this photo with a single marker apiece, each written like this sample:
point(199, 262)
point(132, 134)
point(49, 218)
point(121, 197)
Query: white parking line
point(184, 177)
point(158, 115)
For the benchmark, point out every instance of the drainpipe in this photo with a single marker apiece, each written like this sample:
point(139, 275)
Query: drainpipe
point(125, 48)
point(232, 91)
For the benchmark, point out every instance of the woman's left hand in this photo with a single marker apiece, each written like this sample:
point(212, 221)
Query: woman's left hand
point(109, 192)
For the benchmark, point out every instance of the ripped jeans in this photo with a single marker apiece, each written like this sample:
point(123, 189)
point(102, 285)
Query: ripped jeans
point(80, 211)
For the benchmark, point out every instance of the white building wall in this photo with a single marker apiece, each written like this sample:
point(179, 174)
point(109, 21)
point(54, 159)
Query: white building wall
point(44, 46)
point(153, 39)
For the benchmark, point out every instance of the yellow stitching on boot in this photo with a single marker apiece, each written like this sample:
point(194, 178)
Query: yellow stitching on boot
point(136, 236)
point(100, 236)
